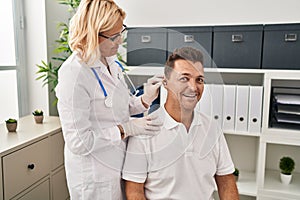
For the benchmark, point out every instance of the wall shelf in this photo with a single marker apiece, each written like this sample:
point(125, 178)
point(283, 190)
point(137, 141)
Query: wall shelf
point(243, 134)
point(276, 188)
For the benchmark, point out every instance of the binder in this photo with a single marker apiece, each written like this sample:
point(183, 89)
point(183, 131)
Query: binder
point(211, 102)
point(255, 109)
point(217, 103)
point(205, 102)
point(229, 108)
point(241, 114)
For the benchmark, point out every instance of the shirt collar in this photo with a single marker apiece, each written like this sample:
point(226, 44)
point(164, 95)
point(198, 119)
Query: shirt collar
point(170, 123)
point(98, 64)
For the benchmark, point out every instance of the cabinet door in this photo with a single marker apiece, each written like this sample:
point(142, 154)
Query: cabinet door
point(57, 150)
point(59, 186)
point(41, 192)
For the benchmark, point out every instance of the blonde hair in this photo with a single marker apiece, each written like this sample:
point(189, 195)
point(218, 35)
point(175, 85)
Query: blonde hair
point(91, 18)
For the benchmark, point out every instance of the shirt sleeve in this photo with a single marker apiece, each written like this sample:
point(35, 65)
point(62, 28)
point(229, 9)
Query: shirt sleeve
point(136, 106)
point(74, 111)
point(136, 164)
point(225, 165)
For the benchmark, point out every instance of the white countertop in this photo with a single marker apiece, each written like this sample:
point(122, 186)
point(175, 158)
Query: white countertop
point(27, 132)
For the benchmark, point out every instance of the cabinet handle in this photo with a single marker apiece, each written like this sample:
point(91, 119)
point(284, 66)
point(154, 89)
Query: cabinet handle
point(188, 38)
point(290, 37)
point(237, 38)
point(30, 166)
point(145, 38)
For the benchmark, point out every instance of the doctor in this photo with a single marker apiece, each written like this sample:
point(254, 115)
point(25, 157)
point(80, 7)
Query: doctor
point(94, 103)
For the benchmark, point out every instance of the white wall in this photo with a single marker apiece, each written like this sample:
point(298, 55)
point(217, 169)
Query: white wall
point(36, 50)
point(209, 12)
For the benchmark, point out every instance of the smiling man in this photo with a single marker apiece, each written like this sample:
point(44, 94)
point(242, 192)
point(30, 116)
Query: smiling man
point(190, 157)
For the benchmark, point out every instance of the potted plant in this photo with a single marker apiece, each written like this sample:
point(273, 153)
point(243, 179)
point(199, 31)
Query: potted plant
point(38, 116)
point(286, 165)
point(236, 174)
point(11, 125)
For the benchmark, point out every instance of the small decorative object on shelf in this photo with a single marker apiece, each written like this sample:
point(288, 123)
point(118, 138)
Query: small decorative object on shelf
point(11, 125)
point(236, 174)
point(286, 165)
point(38, 116)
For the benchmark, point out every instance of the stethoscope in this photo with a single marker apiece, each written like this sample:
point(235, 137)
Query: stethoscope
point(108, 99)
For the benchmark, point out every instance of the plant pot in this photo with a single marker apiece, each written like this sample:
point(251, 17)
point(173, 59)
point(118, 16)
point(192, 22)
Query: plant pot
point(39, 119)
point(11, 127)
point(285, 179)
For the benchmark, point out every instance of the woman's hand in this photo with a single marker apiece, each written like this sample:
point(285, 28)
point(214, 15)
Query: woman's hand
point(149, 125)
point(151, 89)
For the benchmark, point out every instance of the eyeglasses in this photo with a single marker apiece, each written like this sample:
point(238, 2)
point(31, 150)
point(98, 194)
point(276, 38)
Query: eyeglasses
point(114, 37)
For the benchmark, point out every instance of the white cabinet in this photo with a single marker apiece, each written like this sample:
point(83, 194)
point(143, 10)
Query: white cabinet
point(256, 155)
point(32, 161)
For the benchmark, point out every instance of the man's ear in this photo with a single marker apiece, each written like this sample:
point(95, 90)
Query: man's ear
point(164, 83)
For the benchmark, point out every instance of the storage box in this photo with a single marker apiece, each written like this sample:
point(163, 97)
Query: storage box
point(281, 47)
point(197, 37)
point(146, 46)
point(238, 46)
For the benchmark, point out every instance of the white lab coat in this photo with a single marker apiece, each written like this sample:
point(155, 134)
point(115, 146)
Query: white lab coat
point(94, 151)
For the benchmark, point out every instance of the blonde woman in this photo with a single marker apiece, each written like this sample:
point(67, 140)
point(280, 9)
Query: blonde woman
point(94, 103)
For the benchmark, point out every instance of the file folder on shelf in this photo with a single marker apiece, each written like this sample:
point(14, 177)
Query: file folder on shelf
point(211, 102)
point(255, 109)
point(288, 118)
point(288, 99)
point(285, 108)
point(229, 108)
point(288, 109)
point(217, 103)
point(241, 114)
